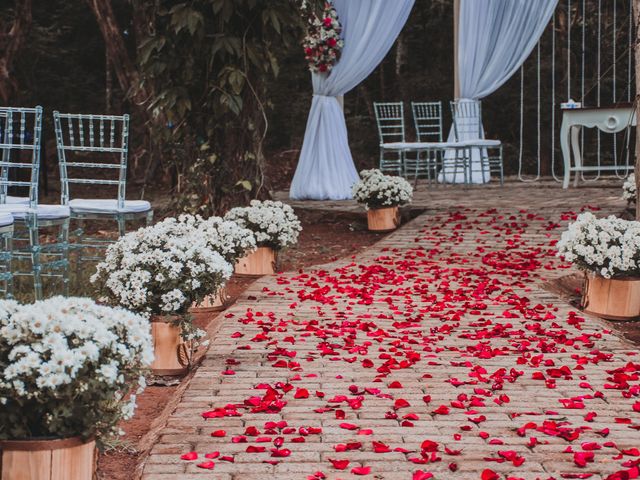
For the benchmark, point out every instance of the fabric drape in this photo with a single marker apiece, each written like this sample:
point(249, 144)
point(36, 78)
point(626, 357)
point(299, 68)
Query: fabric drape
point(495, 38)
point(369, 27)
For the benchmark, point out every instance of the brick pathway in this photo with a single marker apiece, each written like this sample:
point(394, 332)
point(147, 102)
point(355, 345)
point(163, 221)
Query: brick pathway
point(440, 333)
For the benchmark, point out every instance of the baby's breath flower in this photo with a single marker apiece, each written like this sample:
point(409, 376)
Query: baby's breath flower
point(609, 246)
point(67, 363)
point(376, 190)
point(165, 268)
point(274, 224)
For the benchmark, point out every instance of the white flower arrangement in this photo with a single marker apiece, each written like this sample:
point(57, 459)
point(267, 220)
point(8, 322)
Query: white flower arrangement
point(228, 238)
point(162, 269)
point(274, 224)
point(66, 367)
point(609, 247)
point(377, 190)
point(629, 189)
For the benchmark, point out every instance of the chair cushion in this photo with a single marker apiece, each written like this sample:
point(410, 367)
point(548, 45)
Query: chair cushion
point(395, 145)
point(20, 212)
point(6, 219)
point(17, 200)
point(481, 142)
point(419, 145)
point(435, 145)
point(95, 205)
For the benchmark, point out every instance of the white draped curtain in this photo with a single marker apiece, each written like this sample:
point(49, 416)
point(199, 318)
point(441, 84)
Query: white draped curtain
point(370, 27)
point(495, 38)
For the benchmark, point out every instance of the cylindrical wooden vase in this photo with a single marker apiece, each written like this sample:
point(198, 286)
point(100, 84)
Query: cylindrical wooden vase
point(171, 353)
point(611, 298)
point(260, 262)
point(63, 459)
point(212, 303)
point(383, 219)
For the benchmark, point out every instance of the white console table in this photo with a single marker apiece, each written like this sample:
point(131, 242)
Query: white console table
point(611, 119)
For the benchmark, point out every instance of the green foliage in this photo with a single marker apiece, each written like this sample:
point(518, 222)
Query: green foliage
point(208, 61)
point(221, 68)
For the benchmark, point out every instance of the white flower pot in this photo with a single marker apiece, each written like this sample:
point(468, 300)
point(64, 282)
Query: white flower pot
point(611, 298)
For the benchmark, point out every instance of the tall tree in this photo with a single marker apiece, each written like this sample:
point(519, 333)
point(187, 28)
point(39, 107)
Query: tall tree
point(127, 72)
point(12, 38)
point(636, 13)
point(123, 65)
point(209, 61)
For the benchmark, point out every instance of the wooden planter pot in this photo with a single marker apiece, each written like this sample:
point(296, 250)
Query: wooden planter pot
point(614, 299)
point(171, 354)
point(64, 459)
point(383, 219)
point(260, 262)
point(212, 303)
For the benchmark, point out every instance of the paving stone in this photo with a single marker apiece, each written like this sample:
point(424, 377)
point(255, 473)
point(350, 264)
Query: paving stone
point(431, 239)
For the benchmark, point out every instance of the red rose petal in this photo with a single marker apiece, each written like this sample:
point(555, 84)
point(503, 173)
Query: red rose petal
point(361, 470)
point(189, 456)
point(488, 474)
point(339, 464)
point(420, 475)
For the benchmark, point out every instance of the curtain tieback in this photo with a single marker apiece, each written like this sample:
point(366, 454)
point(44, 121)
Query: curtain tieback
point(325, 96)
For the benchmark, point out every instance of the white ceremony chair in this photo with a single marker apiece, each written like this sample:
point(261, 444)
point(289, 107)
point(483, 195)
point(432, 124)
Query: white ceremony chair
point(92, 151)
point(20, 136)
point(427, 119)
point(6, 122)
point(391, 130)
point(21, 130)
point(6, 273)
point(467, 126)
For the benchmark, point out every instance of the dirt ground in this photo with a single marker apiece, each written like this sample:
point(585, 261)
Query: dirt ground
point(325, 237)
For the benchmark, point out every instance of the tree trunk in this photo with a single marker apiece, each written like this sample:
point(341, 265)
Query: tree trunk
point(401, 61)
point(382, 82)
point(401, 55)
point(108, 88)
point(636, 13)
point(126, 72)
point(11, 42)
point(123, 67)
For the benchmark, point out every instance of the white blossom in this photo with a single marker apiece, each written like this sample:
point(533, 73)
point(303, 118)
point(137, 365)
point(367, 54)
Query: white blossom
point(228, 238)
point(39, 359)
point(376, 190)
point(607, 246)
point(629, 189)
point(164, 268)
point(274, 224)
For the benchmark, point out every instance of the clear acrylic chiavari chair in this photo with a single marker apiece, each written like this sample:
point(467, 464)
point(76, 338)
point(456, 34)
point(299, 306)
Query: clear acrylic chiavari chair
point(92, 152)
point(28, 256)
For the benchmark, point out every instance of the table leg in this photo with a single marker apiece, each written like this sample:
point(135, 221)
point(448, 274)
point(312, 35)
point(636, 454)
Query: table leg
point(628, 138)
point(566, 153)
point(577, 154)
